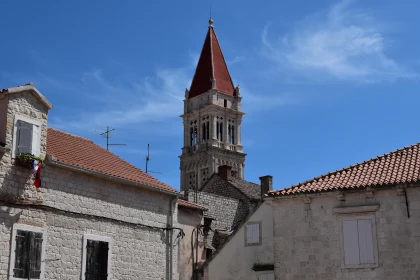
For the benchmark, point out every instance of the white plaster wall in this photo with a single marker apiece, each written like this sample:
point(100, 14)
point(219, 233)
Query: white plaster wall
point(235, 260)
point(187, 220)
point(307, 237)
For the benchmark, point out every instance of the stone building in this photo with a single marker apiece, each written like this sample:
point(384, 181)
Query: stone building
point(95, 216)
point(360, 222)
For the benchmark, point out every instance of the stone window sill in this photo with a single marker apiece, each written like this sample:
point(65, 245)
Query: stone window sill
point(356, 209)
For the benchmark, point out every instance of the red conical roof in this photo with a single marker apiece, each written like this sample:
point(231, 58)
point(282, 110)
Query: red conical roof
point(211, 65)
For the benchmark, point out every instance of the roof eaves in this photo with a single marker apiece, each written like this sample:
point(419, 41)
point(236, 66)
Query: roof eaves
point(51, 160)
point(347, 168)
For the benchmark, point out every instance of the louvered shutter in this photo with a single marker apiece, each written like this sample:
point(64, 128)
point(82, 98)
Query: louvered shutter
point(35, 137)
point(253, 233)
point(24, 143)
point(365, 242)
point(35, 252)
point(21, 254)
point(269, 276)
point(351, 243)
point(96, 260)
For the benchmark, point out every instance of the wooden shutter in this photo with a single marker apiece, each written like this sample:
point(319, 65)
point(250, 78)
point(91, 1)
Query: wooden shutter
point(268, 276)
point(35, 137)
point(21, 254)
point(365, 242)
point(35, 251)
point(96, 260)
point(253, 233)
point(351, 243)
point(24, 143)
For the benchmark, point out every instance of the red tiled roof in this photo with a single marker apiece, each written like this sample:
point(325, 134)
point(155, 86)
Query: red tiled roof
point(211, 65)
point(182, 202)
point(78, 151)
point(400, 166)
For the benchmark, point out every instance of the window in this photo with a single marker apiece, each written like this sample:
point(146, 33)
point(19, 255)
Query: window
point(253, 234)
point(26, 136)
point(225, 103)
point(266, 276)
point(359, 242)
point(96, 258)
point(27, 251)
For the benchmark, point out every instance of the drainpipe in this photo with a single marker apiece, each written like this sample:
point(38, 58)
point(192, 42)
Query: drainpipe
point(172, 204)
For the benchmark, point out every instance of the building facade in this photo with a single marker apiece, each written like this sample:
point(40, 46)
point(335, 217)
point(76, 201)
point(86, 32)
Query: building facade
point(94, 215)
point(360, 222)
point(212, 119)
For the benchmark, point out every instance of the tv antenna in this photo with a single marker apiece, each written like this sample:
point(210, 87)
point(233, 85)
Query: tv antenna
point(106, 133)
point(147, 161)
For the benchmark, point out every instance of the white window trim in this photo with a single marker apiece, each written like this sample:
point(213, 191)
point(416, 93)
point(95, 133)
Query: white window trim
point(87, 237)
point(260, 234)
point(24, 227)
point(374, 241)
point(28, 120)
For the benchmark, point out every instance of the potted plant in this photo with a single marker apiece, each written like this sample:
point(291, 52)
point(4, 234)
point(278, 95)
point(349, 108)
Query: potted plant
point(26, 160)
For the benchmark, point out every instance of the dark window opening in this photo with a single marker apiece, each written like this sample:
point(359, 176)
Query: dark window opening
point(28, 255)
point(209, 252)
point(221, 131)
point(208, 130)
point(233, 134)
point(191, 136)
point(204, 132)
point(229, 134)
point(96, 260)
point(218, 131)
point(225, 102)
point(195, 136)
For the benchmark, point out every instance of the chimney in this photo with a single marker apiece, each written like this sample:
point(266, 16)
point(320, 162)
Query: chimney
point(225, 172)
point(266, 185)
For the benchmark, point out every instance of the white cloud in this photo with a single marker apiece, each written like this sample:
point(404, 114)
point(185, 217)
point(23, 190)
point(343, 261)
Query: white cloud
point(342, 42)
point(124, 102)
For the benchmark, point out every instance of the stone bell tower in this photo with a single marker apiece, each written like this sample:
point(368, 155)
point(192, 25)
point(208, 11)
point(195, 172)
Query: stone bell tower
point(212, 119)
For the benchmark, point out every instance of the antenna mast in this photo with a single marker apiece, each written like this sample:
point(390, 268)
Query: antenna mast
point(106, 133)
point(148, 156)
point(147, 161)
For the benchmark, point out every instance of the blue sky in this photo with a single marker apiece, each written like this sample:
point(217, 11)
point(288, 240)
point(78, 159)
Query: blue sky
point(325, 84)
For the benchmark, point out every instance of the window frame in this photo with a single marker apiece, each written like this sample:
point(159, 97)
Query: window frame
point(246, 234)
point(37, 141)
point(356, 217)
point(94, 237)
point(25, 227)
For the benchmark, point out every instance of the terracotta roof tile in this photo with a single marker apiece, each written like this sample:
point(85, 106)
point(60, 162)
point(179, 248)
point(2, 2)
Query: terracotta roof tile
point(211, 65)
point(397, 167)
point(188, 204)
point(78, 151)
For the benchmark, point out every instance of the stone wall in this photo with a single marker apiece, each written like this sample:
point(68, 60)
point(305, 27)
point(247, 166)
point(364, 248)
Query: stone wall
point(307, 236)
point(137, 252)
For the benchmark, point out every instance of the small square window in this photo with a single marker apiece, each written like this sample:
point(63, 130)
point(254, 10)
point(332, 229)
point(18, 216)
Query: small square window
point(253, 234)
point(26, 136)
point(27, 252)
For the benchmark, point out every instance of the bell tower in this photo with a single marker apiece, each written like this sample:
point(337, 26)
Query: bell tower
point(212, 119)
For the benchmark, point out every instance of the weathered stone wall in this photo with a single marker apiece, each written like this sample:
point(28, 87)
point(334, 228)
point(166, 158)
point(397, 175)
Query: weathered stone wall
point(137, 252)
point(16, 180)
point(307, 236)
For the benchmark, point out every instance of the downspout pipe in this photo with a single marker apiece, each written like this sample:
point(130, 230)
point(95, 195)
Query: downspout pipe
point(172, 205)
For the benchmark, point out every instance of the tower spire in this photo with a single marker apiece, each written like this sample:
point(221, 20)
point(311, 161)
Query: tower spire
point(212, 71)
